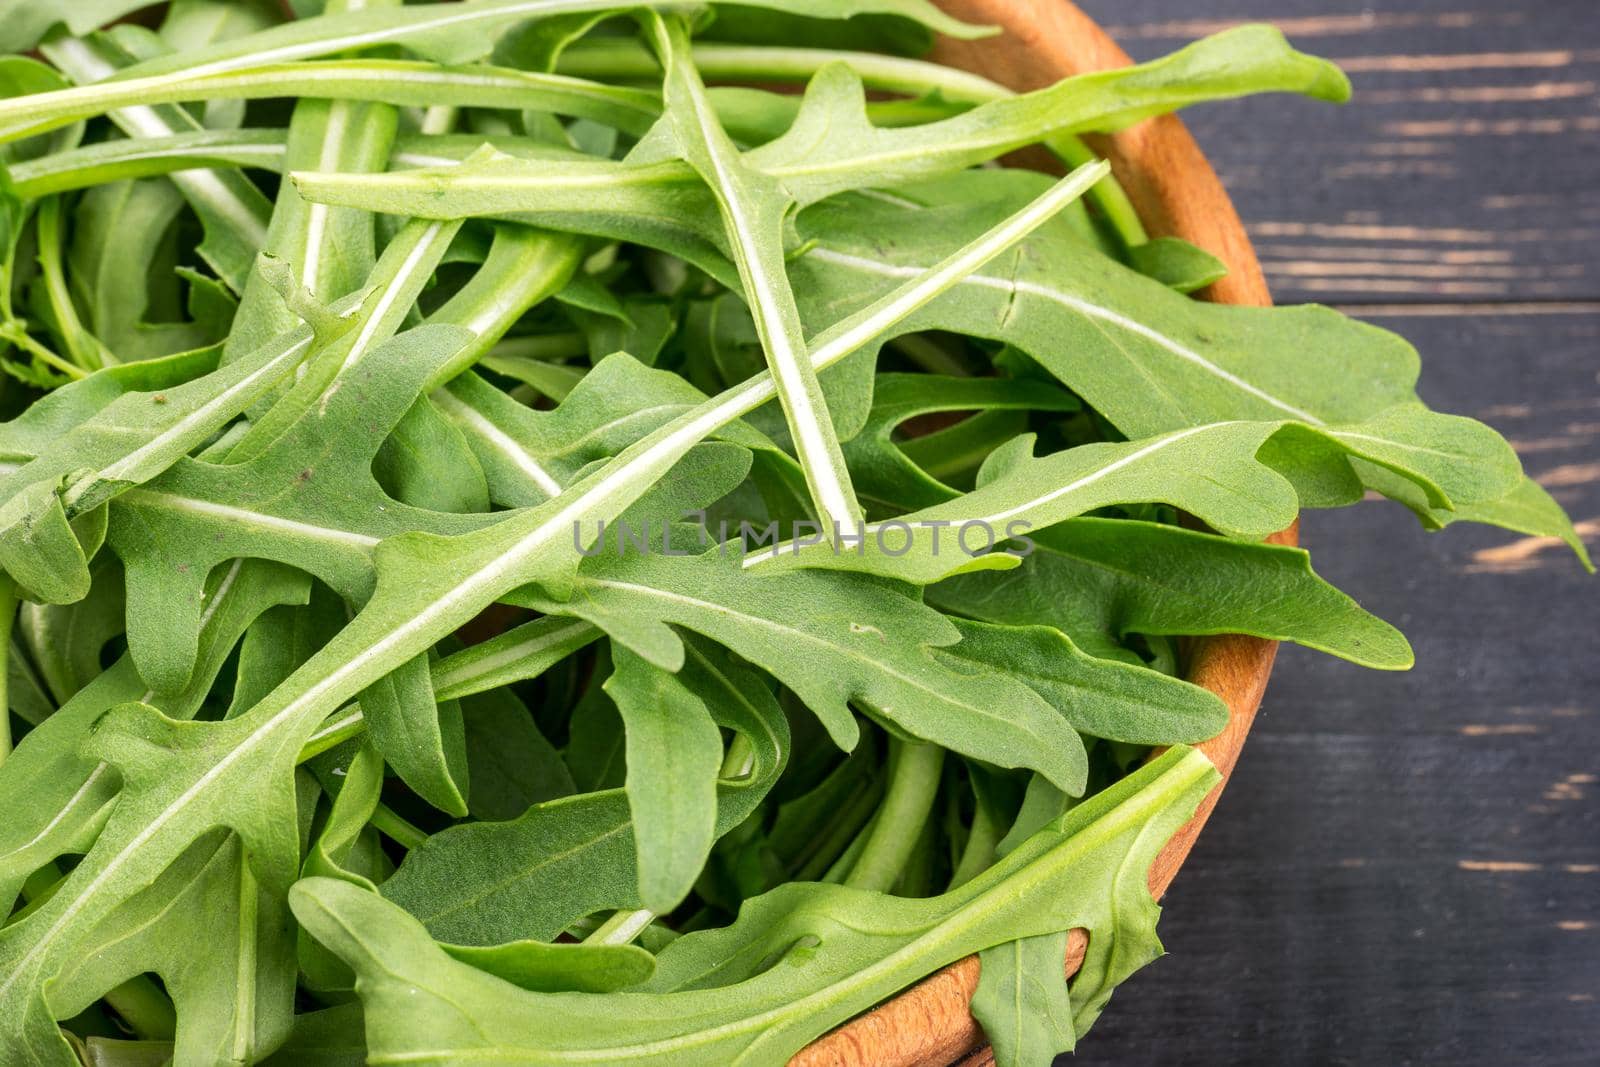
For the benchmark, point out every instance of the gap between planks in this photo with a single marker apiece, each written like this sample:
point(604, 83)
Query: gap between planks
point(1488, 307)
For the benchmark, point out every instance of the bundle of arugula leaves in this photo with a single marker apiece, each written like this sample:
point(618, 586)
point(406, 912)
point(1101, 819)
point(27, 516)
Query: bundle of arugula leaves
point(389, 398)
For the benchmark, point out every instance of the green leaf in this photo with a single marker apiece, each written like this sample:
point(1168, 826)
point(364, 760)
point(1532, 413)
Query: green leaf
point(427, 462)
point(887, 473)
point(1208, 471)
point(67, 641)
point(529, 455)
point(1021, 1000)
point(1527, 509)
point(1209, 362)
point(513, 766)
point(138, 435)
point(422, 738)
point(673, 752)
point(336, 852)
point(27, 21)
point(831, 146)
point(857, 642)
point(716, 996)
point(753, 207)
point(56, 796)
point(122, 256)
point(484, 883)
point(220, 944)
point(1100, 698)
point(1104, 580)
point(1176, 264)
point(232, 210)
point(544, 968)
point(327, 1038)
point(352, 808)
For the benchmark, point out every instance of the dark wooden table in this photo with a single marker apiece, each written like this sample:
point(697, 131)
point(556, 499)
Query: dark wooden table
point(1406, 867)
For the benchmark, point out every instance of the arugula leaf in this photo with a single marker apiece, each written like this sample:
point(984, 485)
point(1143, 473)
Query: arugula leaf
point(378, 503)
point(674, 752)
point(877, 643)
point(231, 974)
point(513, 765)
point(831, 147)
point(1526, 508)
point(137, 436)
point(890, 476)
point(1099, 698)
point(716, 995)
point(27, 21)
point(470, 30)
point(519, 875)
point(753, 207)
point(57, 798)
point(1021, 1000)
point(1104, 580)
point(335, 852)
point(232, 210)
point(1216, 363)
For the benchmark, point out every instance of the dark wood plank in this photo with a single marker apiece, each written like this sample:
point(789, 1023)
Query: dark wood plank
point(1406, 867)
point(1465, 168)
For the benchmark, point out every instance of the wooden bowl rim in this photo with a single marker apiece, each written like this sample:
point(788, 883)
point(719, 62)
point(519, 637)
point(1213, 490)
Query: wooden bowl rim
point(1176, 193)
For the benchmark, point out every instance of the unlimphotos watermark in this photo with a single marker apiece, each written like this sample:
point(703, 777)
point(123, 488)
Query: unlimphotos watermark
point(893, 537)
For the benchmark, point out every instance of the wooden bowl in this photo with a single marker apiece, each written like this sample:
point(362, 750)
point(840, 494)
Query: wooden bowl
point(1176, 194)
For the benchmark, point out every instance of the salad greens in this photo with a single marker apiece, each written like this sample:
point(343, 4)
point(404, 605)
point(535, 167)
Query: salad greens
point(424, 639)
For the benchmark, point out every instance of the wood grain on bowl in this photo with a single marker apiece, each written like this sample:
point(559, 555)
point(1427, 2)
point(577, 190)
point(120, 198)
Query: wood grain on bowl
point(1177, 193)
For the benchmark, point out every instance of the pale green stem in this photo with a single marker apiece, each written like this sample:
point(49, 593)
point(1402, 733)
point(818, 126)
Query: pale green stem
point(916, 877)
point(340, 727)
point(525, 266)
point(740, 758)
point(840, 868)
point(85, 350)
point(14, 332)
point(8, 615)
point(148, 1011)
point(929, 355)
point(914, 769)
point(395, 82)
point(542, 346)
point(622, 58)
point(766, 285)
point(394, 826)
point(979, 853)
point(621, 928)
point(838, 839)
point(440, 118)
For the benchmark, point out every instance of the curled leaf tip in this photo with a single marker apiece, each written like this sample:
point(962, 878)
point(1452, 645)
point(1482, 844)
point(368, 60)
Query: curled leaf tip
point(1330, 83)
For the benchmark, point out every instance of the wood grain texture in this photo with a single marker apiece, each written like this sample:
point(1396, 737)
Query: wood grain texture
point(1464, 168)
point(1407, 870)
point(1176, 192)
